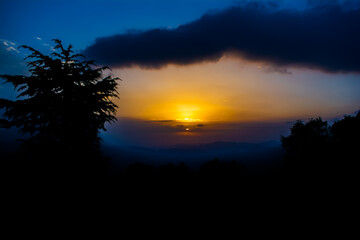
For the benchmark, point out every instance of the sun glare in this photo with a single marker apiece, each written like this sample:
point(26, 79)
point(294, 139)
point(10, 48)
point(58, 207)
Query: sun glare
point(189, 119)
point(188, 113)
point(185, 112)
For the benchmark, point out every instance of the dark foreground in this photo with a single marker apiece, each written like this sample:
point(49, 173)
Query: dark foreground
point(319, 169)
point(299, 198)
point(215, 177)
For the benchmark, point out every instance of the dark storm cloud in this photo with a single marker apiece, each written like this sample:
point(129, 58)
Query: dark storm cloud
point(324, 37)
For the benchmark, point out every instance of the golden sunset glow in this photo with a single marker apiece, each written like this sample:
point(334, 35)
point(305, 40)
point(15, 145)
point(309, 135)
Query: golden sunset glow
point(184, 111)
point(188, 113)
point(228, 91)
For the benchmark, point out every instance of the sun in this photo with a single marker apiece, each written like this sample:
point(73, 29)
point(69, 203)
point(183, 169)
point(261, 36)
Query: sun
point(189, 119)
point(183, 113)
point(188, 113)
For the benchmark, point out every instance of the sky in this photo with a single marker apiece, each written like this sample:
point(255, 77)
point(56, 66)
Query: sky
point(199, 71)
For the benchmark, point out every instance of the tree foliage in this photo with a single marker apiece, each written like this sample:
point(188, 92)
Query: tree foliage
point(307, 137)
point(322, 148)
point(63, 104)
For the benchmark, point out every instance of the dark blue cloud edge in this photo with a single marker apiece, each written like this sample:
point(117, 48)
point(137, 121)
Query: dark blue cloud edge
point(325, 37)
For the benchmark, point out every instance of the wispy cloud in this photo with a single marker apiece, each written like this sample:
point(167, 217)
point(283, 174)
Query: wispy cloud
point(142, 133)
point(11, 59)
point(9, 45)
point(7, 42)
point(12, 49)
point(275, 69)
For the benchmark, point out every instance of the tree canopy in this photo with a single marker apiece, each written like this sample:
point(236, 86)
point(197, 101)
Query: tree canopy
point(317, 148)
point(61, 106)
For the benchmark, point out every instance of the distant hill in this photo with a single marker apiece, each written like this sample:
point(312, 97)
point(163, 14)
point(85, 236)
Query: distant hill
point(254, 156)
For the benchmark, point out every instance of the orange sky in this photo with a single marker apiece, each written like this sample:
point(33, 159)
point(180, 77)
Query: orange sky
point(233, 91)
point(230, 100)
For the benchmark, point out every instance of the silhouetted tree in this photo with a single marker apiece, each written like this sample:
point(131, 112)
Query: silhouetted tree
point(307, 147)
point(307, 137)
point(346, 132)
point(61, 106)
point(326, 152)
point(345, 145)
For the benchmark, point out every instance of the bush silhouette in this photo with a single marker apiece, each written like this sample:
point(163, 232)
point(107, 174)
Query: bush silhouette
point(307, 138)
point(316, 149)
point(61, 107)
point(345, 145)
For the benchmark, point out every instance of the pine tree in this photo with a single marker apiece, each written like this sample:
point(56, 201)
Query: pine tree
point(62, 106)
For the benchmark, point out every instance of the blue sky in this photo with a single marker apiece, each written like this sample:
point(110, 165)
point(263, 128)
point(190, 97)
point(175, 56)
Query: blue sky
point(80, 22)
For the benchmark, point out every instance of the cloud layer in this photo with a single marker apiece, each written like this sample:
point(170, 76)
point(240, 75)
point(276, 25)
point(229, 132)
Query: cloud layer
point(324, 37)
